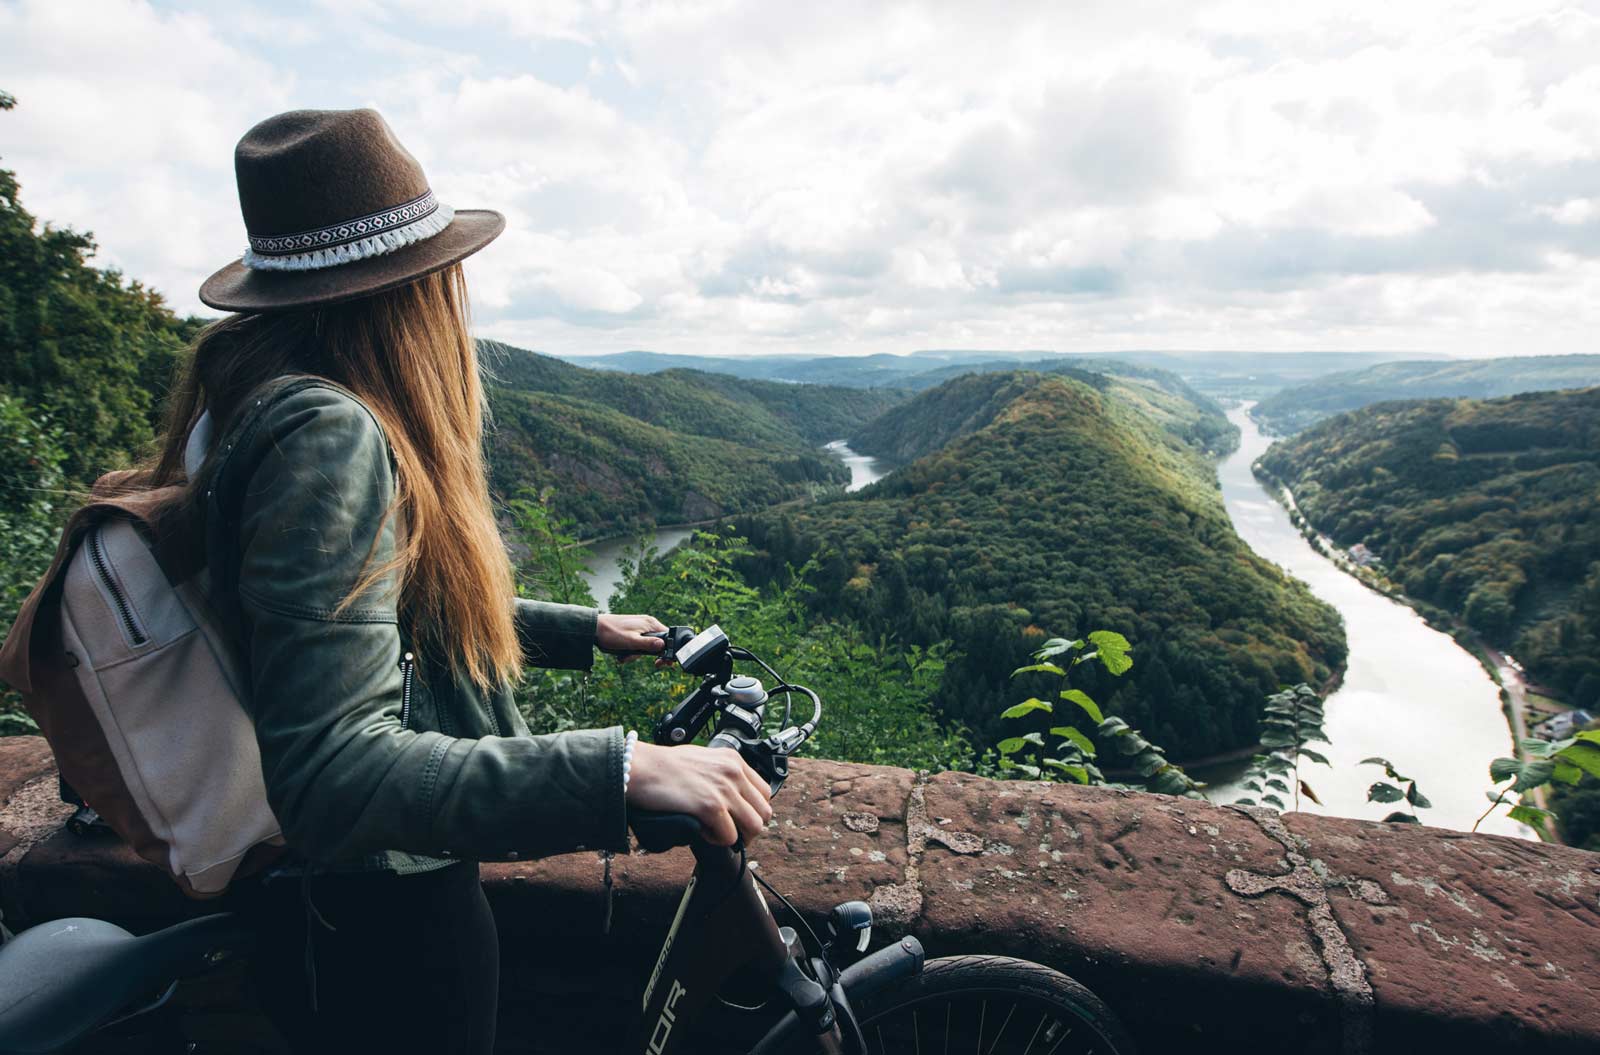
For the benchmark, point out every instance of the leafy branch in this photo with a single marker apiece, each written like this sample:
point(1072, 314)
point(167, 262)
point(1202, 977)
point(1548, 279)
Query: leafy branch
point(1074, 752)
point(1546, 761)
point(1290, 720)
point(1383, 791)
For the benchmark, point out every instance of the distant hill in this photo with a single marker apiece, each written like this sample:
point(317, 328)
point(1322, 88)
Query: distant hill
point(1293, 409)
point(971, 400)
point(1484, 508)
point(1057, 504)
point(1237, 375)
point(623, 451)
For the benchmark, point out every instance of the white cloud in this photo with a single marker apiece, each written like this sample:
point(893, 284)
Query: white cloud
point(724, 176)
point(1573, 211)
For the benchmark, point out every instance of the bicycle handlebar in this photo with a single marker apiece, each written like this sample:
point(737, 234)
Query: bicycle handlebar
point(739, 705)
point(659, 832)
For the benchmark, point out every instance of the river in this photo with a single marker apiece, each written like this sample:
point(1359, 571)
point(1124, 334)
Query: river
point(1411, 694)
point(605, 573)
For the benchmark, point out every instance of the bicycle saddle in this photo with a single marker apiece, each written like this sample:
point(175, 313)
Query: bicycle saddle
point(62, 979)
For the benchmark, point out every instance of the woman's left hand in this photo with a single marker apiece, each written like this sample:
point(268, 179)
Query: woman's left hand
point(625, 634)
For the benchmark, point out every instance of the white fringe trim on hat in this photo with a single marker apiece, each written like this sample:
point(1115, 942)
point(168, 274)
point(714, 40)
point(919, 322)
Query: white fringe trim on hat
point(372, 245)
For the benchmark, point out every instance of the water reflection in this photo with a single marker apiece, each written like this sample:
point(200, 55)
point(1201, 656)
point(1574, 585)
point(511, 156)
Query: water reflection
point(606, 573)
point(864, 469)
point(1411, 694)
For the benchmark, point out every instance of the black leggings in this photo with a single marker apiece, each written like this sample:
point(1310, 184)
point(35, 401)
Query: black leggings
point(398, 963)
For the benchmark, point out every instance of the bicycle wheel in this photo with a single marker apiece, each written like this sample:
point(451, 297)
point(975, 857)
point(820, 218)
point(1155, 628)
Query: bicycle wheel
point(990, 1005)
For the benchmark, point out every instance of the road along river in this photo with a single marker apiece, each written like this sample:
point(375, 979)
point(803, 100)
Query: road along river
point(1411, 694)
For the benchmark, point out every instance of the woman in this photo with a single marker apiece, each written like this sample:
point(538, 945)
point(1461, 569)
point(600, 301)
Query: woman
point(332, 430)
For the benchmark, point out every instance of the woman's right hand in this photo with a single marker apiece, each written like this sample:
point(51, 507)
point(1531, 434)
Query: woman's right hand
point(714, 785)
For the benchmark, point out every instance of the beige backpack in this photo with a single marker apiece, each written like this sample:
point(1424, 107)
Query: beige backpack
point(137, 685)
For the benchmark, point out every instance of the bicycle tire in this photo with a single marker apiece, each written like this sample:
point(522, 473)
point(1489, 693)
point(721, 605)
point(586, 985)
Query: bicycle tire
point(992, 1005)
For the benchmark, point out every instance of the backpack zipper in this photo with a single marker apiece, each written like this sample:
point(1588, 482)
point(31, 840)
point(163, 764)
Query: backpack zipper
point(406, 667)
point(124, 609)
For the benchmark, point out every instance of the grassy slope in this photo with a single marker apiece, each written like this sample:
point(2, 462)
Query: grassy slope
point(1296, 408)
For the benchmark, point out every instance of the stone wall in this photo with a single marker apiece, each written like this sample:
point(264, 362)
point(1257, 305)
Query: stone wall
point(1206, 928)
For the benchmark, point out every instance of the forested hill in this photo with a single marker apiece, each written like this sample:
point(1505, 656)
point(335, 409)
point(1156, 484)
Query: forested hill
point(1056, 507)
point(622, 451)
point(1485, 508)
point(969, 402)
point(1293, 409)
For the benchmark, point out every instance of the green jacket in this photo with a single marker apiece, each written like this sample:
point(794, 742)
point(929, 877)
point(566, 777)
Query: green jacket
point(293, 499)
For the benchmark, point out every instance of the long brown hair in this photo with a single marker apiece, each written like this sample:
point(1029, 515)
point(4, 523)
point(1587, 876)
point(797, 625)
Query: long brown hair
point(408, 354)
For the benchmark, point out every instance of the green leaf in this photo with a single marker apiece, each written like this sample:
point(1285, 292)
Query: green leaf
point(1078, 773)
point(1130, 743)
point(1382, 792)
point(1275, 800)
point(1388, 768)
point(1112, 726)
point(1246, 801)
point(1532, 816)
point(1037, 739)
point(1167, 782)
point(1314, 756)
point(1055, 646)
point(1113, 649)
point(1401, 818)
point(1082, 699)
point(1083, 743)
point(1251, 785)
point(1417, 798)
point(1011, 745)
point(1028, 706)
point(1277, 785)
point(1148, 764)
point(1032, 771)
point(1585, 755)
point(1041, 668)
point(1529, 773)
point(1566, 772)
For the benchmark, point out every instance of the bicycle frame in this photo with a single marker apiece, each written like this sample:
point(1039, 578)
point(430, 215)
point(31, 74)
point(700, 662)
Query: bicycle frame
point(723, 927)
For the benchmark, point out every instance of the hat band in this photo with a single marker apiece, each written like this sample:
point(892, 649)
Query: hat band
point(351, 240)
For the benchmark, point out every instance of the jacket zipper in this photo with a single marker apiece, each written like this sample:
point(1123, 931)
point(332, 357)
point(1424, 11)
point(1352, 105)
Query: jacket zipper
point(406, 667)
point(124, 609)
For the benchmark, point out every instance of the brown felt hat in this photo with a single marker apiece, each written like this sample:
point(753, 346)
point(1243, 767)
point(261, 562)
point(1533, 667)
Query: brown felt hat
point(336, 209)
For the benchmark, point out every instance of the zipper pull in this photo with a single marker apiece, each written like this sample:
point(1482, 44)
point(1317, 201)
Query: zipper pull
point(406, 667)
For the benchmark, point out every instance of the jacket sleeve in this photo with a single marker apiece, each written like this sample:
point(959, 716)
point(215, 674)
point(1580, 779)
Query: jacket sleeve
point(556, 635)
point(344, 778)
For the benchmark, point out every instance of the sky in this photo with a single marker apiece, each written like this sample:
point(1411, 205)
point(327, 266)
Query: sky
point(714, 177)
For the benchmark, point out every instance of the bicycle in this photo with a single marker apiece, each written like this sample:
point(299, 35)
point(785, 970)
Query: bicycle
point(729, 980)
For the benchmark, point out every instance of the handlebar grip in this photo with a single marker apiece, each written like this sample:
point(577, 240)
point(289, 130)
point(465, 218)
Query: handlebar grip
point(659, 635)
point(660, 832)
